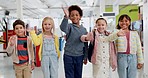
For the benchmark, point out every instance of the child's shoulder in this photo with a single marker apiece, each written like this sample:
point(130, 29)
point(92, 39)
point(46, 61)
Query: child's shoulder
point(56, 36)
point(13, 36)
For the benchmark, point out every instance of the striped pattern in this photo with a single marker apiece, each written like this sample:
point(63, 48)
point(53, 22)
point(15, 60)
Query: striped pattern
point(135, 45)
point(22, 50)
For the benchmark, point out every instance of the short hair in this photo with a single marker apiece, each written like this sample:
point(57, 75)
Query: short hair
point(121, 18)
point(75, 7)
point(18, 22)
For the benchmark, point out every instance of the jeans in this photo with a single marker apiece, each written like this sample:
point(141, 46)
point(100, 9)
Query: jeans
point(127, 65)
point(73, 66)
point(49, 65)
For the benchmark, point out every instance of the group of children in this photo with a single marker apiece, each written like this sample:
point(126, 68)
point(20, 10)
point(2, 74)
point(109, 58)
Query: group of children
point(123, 43)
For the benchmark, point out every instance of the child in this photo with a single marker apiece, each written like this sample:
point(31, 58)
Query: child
point(102, 51)
point(73, 51)
point(49, 48)
point(129, 49)
point(21, 50)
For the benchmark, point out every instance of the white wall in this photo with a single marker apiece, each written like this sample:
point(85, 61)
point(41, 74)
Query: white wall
point(145, 20)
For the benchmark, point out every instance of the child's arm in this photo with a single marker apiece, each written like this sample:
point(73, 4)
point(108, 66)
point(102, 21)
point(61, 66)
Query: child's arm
point(31, 50)
point(57, 46)
point(64, 24)
point(88, 37)
point(139, 51)
point(32, 54)
point(115, 35)
point(36, 39)
point(11, 46)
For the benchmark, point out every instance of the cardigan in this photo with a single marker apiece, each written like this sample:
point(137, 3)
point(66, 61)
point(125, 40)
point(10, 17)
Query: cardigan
point(12, 50)
point(135, 45)
point(111, 48)
point(38, 40)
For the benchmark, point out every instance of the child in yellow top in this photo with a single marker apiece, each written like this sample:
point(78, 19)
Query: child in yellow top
point(49, 48)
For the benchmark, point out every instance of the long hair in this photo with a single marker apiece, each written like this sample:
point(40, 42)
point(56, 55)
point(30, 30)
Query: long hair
point(121, 18)
point(52, 23)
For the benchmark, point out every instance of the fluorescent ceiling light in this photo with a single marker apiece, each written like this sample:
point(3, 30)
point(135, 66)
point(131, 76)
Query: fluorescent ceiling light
point(43, 10)
point(1, 8)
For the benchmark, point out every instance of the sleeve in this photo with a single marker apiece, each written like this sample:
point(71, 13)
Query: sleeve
point(83, 38)
point(36, 38)
point(112, 36)
point(64, 25)
point(57, 45)
point(90, 37)
point(85, 49)
point(10, 49)
point(31, 50)
point(139, 49)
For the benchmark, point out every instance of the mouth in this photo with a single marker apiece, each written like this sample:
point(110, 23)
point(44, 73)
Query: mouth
point(124, 25)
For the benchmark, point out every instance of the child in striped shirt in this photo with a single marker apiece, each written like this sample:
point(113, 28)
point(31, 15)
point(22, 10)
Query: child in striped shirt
point(21, 50)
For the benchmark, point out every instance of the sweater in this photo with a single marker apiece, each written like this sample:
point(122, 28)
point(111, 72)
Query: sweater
point(38, 40)
point(13, 52)
point(135, 45)
point(74, 45)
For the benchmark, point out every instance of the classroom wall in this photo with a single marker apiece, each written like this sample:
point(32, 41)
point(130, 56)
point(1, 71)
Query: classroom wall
point(131, 10)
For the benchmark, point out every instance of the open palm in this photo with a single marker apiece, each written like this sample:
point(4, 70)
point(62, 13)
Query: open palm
point(65, 12)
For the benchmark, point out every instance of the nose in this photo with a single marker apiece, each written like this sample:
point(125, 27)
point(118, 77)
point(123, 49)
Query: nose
point(124, 22)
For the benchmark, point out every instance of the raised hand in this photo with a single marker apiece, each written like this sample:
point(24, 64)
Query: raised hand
point(65, 12)
point(121, 32)
point(12, 41)
point(29, 29)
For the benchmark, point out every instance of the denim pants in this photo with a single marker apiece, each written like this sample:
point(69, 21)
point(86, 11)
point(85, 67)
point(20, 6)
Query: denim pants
point(73, 66)
point(49, 62)
point(127, 65)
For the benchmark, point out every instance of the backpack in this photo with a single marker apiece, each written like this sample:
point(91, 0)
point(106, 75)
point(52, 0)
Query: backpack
point(91, 48)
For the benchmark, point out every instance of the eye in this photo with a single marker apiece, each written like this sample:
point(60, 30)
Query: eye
point(16, 28)
point(21, 27)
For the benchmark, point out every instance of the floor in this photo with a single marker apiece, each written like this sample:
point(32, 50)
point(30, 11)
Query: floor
point(7, 71)
point(7, 67)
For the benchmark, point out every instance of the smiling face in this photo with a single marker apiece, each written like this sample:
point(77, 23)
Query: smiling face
point(19, 30)
point(101, 26)
point(48, 24)
point(124, 23)
point(75, 17)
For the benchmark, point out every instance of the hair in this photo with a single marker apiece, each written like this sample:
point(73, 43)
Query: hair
point(106, 33)
point(121, 18)
point(101, 19)
point(75, 7)
point(52, 23)
point(18, 22)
